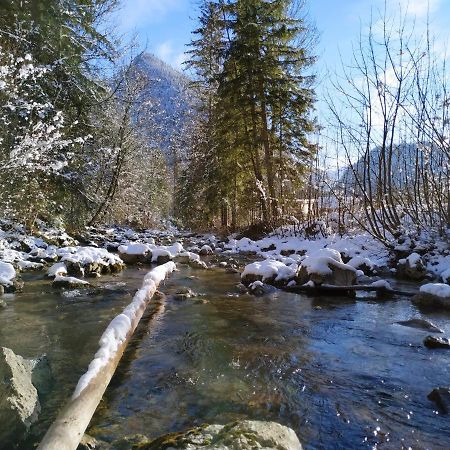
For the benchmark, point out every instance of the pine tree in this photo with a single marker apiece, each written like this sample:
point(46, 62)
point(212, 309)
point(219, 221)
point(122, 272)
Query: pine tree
point(259, 106)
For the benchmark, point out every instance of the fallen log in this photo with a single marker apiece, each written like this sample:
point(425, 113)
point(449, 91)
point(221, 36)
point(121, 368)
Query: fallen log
point(344, 290)
point(68, 428)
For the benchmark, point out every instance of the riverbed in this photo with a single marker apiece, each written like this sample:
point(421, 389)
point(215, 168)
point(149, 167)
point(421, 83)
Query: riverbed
point(340, 372)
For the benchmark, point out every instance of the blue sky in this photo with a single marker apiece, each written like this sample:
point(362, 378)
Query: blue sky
point(164, 26)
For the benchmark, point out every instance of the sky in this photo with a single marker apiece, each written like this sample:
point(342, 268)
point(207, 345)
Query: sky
point(164, 27)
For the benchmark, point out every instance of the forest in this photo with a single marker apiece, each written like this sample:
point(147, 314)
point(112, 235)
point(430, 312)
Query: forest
point(246, 247)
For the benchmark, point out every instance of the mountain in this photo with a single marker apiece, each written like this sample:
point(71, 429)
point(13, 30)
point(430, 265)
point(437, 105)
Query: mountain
point(165, 105)
point(409, 161)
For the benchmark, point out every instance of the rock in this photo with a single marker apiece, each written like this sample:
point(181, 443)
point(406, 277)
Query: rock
point(41, 374)
point(232, 270)
point(421, 324)
point(184, 293)
point(15, 286)
point(206, 250)
point(436, 342)
point(242, 435)
point(339, 276)
point(163, 259)
point(69, 282)
point(431, 301)
point(137, 441)
point(258, 288)
point(19, 403)
point(89, 443)
point(2, 290)
point(196, 264)
point(136, 258)
point(74, 269)
point(412, 268)
point(441, 396)
point(3, 304)
point(287, 252)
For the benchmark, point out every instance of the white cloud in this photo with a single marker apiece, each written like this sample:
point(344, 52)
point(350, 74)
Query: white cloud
point(168, 53)
point(419, 8)
point(134, 13)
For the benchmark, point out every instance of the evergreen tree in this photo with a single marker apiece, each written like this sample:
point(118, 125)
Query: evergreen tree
point(260, 99)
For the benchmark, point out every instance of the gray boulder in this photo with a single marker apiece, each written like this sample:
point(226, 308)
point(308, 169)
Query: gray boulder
point(339, 276)
point(431, 301)
point(19, 403)
point(242, 435)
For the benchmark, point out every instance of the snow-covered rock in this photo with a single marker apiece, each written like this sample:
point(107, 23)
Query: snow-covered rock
point(164, 254)
point(91, 261)
point(206, 250)
point(7, 274)
point(57, 269)
point(326, 267)
point(412, 268)
point(433, 295)
point(135, 253)
point(61, 281)
point(268, 271)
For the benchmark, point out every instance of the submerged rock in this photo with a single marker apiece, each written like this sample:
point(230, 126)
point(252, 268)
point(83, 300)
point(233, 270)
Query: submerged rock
point(441, 396)
point(436, 342)
point(69, 282)
point(19, 403)
point(185, 293)
point(422, 324)
point(242, 435)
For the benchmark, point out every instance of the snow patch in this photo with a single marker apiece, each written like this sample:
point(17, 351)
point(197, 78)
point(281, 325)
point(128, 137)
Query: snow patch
point(437, 289)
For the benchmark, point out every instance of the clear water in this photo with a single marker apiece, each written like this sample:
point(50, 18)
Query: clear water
point(341, 373)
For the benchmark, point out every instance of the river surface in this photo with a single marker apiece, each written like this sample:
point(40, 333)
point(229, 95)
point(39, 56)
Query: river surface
point(340, 372)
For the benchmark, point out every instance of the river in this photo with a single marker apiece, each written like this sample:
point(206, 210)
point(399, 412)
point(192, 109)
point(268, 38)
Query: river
point(340, 372)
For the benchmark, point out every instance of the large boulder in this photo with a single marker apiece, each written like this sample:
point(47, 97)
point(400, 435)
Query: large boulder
point(242, 435)
point(19, 403)
point(135, 253)
point(433, 295)
point(326, 267)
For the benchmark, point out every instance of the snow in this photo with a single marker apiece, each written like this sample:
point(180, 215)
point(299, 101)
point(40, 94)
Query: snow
point(28, 265)
point(382, 284)
point(322, 260)
point(134, 249)
point(412, 260)
point(57, 269)
point(359, 261)
point(89, 255)
point(437, 289)
point(123, 325)
point(169, 251)
point(446, 275)
point(7, 273)
point(69, 280)
point(269, 269)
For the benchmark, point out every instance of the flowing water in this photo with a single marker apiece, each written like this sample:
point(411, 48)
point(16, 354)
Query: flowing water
point(340, 372)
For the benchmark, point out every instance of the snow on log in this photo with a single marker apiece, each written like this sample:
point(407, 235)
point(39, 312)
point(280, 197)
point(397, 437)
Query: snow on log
point(72, 421)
